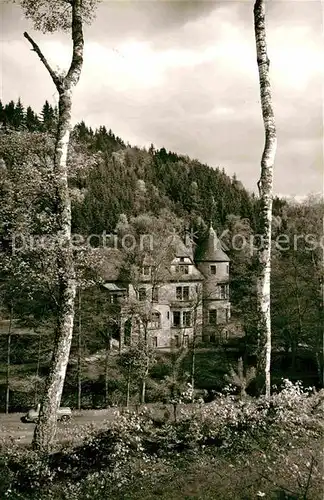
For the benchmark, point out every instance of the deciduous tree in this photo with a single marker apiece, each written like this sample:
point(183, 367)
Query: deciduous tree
point(49, 16)
point(265, 186)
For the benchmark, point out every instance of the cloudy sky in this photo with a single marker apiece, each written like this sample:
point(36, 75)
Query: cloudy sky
point(183, 75)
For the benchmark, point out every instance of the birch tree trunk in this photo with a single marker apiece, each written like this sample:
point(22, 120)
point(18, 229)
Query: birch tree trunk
point(265, 186)
point(37, 368)
point(8, 361)
point(147, 363)
point(46, 428)
point(108, 349)
point(319, 356)
point(143, 388)
point(79, 351)
point(193, 355)
point(128, 386)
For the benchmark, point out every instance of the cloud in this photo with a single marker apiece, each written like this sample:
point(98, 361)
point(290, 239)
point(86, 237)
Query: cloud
point(183, 75)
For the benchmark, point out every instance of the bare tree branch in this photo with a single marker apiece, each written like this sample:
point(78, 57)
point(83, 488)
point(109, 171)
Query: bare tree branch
point(56, 78)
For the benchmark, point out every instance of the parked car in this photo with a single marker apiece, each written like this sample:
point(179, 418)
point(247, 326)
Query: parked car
point(63, 414)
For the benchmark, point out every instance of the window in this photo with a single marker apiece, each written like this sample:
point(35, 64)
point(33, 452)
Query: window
point(155, 320)
point(176, 341)
point(142, 294)
point(182, 293)
point(146, 271)
point(176, 318)
point(212, 317)
point(181, 319)
point(223, 291)
point(113, 299)
point(213, 269)
point(182, 269)
point(155, 294)
point(186, 341)
point(168, 315)
point(227, 268)
point(182, 259)
point(186, 318)
point(154, 342)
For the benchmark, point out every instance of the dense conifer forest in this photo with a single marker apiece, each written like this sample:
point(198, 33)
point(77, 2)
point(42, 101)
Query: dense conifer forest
point(178, 183)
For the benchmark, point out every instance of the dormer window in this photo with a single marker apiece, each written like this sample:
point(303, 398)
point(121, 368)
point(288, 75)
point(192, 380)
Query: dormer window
point(182, 269)
point(213, 269)
point(146, 270)
point(182, 259)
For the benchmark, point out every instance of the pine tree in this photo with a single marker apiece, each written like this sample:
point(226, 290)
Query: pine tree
point(48, 117)
point(10, 114)
point(32, 122)
point(2, 114)
point(19, 116)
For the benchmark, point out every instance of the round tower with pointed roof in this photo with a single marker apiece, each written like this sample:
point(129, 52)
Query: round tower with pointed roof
point(213, 263)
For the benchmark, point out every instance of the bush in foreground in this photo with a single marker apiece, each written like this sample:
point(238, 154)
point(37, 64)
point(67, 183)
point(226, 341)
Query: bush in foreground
point(256, 448)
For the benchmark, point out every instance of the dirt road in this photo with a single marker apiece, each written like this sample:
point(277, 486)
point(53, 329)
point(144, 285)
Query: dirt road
point(12, 427)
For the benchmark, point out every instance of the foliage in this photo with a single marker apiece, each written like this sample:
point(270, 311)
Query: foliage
point(49, 16)
point(273, 441)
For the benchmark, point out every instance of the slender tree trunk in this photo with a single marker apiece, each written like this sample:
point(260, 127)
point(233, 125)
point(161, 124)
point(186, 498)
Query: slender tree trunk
point(143, 391)
point(79, 351)
point(319, 338)
point(175, 408)
point(193, 357)
point(128, 386)
point(8, 360)
point(319, 366)
point(193, 369)
point(37, 368)
point(265, 186)
point(298, 335)
point(46, 428)
point(108, 349)
point(106, 377)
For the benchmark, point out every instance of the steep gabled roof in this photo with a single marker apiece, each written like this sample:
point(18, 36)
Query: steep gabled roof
point(180, 249)
point(211, 250)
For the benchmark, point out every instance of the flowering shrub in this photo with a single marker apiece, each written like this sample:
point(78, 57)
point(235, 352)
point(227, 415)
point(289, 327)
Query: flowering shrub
point(277, 436)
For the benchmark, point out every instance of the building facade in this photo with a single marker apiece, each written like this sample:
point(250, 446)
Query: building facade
point(188, 302)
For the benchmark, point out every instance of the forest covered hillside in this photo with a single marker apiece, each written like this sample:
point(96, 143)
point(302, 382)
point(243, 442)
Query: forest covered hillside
point(115, 186)
point(126, 179)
